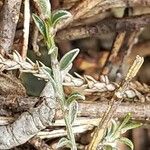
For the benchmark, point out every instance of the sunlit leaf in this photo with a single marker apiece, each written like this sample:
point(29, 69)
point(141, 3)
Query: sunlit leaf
point(127, 142)
point(61, 14)
point(73, 109)
point(45, 7)
point(68, 58)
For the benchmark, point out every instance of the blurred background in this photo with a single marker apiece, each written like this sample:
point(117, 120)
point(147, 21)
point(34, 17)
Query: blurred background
point(98, 52)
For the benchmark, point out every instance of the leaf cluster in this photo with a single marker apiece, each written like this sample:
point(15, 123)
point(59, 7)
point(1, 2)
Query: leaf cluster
point(114, 132)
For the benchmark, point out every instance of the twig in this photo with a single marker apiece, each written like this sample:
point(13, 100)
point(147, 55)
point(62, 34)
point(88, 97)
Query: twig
point(130, 40)
point(114, 52)
point(115, 102)
point(104, 27)
point(26, 28)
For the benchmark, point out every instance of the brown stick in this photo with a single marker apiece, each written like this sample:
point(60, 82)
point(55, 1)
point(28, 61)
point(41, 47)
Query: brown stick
point(85, 6)
point(114, 52)
point(9, 16)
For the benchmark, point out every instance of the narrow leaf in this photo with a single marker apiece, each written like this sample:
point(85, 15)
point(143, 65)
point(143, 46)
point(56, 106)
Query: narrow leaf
point(124, 122)
point(61, 14)
point(112, 128)
point(73, 97)
point(40, 24)
point(68, 58)
point(64, 142)
point(73, 109)
point(45, 7)
point(127, 142)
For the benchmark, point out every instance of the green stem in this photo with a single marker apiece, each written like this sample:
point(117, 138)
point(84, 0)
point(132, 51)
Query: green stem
point(61, 96)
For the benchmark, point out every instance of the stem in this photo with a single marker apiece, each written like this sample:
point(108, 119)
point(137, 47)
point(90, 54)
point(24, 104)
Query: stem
point(61, 96)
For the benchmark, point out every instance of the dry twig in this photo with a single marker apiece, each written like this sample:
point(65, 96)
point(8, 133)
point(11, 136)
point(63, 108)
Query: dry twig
point(26, 28)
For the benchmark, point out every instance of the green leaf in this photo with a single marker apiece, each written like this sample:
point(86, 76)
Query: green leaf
point(112, 128)
point(64, 142)
point(127, 142)
point(68, 58)
point(64, 72)
point(40, 24)
point(73, 97)
point(129, 126)
point(45, 7)
point(73, 109)
point(61, 14)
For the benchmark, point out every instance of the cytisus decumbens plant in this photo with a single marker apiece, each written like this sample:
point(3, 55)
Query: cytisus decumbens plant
point(56, 74)
point(113, 134)
point(47, 24)
point(69, 106)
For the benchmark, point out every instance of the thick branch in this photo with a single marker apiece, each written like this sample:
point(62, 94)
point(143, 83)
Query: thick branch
point(83, 7)
point(139, 111)
point(104, 27)
point(8, 20)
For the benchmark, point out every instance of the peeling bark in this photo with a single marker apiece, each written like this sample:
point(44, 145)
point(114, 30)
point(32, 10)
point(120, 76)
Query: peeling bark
point(9, 16)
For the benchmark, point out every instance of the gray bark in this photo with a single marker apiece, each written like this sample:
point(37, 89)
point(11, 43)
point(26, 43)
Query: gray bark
point(31, 122)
